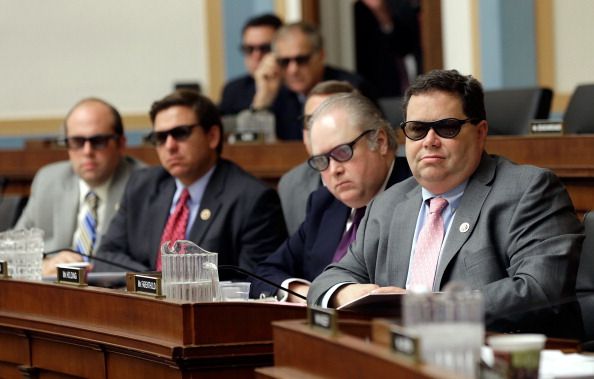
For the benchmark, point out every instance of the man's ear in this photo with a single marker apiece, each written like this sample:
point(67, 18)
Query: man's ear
point(214, 136)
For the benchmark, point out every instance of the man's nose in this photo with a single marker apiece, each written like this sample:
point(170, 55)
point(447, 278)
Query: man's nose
point(431, 139)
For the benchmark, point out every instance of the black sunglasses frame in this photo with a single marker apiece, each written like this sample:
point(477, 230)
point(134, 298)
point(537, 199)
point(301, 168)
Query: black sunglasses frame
point(438, 126)
point(178, 133)
point(250, 49)
point(330, 154)
point(98, 141)
point(300, 60)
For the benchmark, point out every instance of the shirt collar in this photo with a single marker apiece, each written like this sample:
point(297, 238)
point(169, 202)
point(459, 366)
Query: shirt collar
point(453, 196)
point(101, 190)
point(195, 189)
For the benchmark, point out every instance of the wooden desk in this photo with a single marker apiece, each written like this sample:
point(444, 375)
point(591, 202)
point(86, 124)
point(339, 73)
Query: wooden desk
point(571, 157)
point(49, 331)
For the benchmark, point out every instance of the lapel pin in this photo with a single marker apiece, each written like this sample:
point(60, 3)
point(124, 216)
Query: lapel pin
point(464, 227)
point(205, 214)
point(116, 207)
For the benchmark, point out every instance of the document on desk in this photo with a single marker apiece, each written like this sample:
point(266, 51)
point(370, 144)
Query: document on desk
point(381, 304)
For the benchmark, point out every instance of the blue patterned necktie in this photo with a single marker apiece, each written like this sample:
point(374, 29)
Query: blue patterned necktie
point(87, 228)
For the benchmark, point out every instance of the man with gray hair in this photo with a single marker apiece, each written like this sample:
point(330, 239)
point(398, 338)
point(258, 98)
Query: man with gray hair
point(354, 149)
point(285, 77)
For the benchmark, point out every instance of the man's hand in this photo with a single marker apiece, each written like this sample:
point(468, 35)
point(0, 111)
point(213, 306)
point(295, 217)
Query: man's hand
point(300, 288)
point(48, 267)
point(351, 292)
point(268, 81)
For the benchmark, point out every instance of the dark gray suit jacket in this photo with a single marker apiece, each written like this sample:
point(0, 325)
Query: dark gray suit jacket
point(521, 248)
point(53, 205)
point(245, 224)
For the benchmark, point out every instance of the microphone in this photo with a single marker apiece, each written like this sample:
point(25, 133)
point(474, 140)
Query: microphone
point(251, 274)
point(93, 257)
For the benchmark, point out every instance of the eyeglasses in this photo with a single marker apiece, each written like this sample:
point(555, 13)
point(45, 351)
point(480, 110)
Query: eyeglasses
point(305, 118)
point(97, 142)
point(249, 49)
point(179, 133)
point(446, 128)
point(340, 153)
point(300, 60)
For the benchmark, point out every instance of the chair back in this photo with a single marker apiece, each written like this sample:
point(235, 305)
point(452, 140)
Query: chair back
point(585, 277)
point(11, 207)
point(392, 109)
point(579, 115)
point(509, 111)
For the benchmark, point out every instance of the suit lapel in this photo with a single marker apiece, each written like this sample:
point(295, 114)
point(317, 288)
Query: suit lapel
point(403, 224)
point(466, 215)
point(112, 203)
point(67, 204)
point(211, 203)
point(158, 208)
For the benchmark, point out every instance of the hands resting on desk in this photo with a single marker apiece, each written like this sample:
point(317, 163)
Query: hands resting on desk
point(350, 292)
point(50, 262)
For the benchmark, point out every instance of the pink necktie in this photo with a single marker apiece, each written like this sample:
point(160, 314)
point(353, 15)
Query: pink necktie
point(424, 263)
point(175, 229)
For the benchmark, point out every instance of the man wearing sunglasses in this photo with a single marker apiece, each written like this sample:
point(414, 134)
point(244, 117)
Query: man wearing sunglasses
point(256, 41)
point(195, 195)
point(285, 77)
point(505, 229)
point(94, 136)
point(354, 150)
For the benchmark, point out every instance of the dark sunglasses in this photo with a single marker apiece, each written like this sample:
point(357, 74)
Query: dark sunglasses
point(340, 153)
point(446, 128)
point(300, 60)
point(179, 133)
point(97, 142)
point(249, 49)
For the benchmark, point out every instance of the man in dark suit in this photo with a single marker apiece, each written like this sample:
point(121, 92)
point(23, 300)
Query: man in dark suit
point(227, 210)
point(256, 41)
point(285, 77)
point(505, 229)
point(354, 149)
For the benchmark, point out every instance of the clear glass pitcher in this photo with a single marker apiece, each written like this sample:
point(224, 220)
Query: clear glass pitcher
point(189, 272)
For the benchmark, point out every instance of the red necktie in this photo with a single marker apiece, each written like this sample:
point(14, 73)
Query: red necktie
point(424, 263)
point(175, 229)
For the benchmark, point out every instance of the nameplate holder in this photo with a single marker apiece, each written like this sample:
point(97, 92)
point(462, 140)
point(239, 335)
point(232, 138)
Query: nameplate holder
point(243, 137)
point(72, 275)
point(4, 270)
point(546, 127)
point(145, 285)
point(405, 343)
point(325, 319)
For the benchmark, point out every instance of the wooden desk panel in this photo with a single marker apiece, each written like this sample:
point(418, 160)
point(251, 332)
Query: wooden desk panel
point(571, 157)
point(51, 330)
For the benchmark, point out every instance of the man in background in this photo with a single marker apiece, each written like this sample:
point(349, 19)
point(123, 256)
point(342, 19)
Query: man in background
point(256, 41)
point(74, 201)
point(195, 195)
point(354, 149)
point(285, 77)
point(295, 186)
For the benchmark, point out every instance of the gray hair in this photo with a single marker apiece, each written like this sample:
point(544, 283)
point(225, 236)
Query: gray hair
point(363, 115)
point(311, 33)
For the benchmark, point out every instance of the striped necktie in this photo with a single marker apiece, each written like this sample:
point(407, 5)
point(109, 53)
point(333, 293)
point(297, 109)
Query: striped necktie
point(87, 228)
point(175, 229)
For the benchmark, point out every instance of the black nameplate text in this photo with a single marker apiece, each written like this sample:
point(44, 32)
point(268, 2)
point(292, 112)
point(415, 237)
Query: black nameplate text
point(322, 318)
point(147, 285)
point(4, 269)
point(405, 343)
point(72, 275)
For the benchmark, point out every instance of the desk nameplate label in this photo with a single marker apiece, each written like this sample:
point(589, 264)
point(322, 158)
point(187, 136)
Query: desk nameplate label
point(323, 319)
point(72, 275)
point(147, 285)
point(4, 270)
point(405, 343)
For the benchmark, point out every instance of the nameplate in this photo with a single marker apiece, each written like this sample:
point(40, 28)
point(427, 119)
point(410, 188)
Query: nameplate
point(72, 275)
point(405, 343)
point(4, 270)
point(322, 319)
point(546, 127)
point(147, 285)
